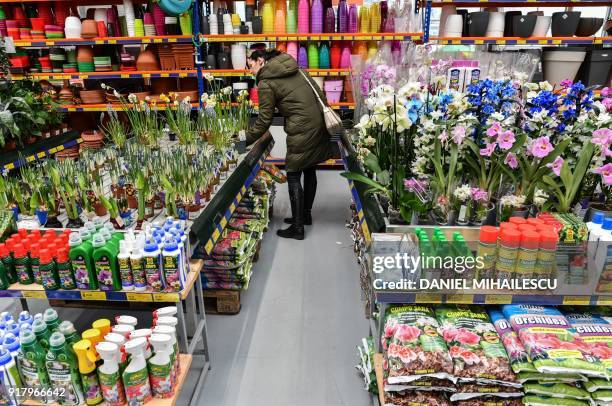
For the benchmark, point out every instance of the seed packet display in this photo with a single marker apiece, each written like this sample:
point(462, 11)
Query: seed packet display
point(519, 359)
point(413, 347)
point(532, 400)
point(474, 345)
point(416, 398)
point(552, 343)
point(556, 390)
point(596, 333)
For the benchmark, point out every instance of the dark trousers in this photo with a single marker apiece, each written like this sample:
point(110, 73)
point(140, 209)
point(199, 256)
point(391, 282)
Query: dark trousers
point(302, 198)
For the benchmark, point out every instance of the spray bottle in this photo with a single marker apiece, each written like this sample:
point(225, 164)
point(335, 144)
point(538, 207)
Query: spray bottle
point(94, 336)
point(123, 258)
point(127, 320)
point(109, 375)
point(87, 368)
point(144, 333)
point(63, 371)
point(103, 325)
point(123, 329)
point(168, 311)
point(9, 378)
point(171, 331)
point(31, 361)
point(136, 375)
point(119, 341)
point(172, 322)
point(160, 366)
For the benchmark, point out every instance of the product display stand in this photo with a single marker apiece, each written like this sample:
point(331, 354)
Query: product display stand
point(10, 160)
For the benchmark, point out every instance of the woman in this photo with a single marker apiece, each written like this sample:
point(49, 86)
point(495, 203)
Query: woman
point(281, 85)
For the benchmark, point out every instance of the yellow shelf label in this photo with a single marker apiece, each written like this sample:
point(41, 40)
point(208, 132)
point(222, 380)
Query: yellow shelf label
point(216, 234)
point(232, 207)
point(34, 294)
point(243, 190)
point(157, 40)
point(428, 298)
point(460, 299)
point(125, 75)
point(479, 41)
point(554, 41)
point(138, 297)
point(498, 299)
point(223, 222)
point(576, 300)
point(40, 155)
point(93, 295)
point(302, 38)
point(112, 41)
point(209, 246)
point(604, 301)
point(172, 40)
point(166, 297)
point(164, 75)
point(99, 41)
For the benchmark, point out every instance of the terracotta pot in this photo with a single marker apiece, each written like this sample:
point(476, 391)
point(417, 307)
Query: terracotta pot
point(85, 53)
point(147, 60)
point(10, 145)
point(92, 136)
point(100, 209)
point(117, 191)
point(89, 29)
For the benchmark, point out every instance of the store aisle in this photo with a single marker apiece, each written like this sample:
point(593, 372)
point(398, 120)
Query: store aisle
point(293, 342)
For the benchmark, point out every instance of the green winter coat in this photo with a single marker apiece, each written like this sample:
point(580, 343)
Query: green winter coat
point(282, 86)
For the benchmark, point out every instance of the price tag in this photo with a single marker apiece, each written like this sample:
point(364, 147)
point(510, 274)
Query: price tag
point(428, 298)
point(138, 297)
point(34, 294)
point(576, 300)
point(166, 297)
point(460, 299)
point(604, 301)
point(93, 295)
point(498, 299)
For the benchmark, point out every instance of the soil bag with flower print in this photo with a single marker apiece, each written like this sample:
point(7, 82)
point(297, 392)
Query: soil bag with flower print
point(490, 401)
point(476, 391)
point(596, 333)
point(519, 359)
point(475, 347)
point(413, 347)
point(415, 398)
point(552, 343)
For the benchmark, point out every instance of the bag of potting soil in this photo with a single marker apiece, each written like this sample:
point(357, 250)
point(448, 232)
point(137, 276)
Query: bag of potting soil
point(593, 385)
point(490, 401)
point(474, 345)
point(602, 397)
point(413, 347)
point(552, 343)
point(556, 390)
point(467, 391)
point(537, 377)
point(415, 398)
point(596, 333)
point(425, 384)
point(519, 359)
point(533, 400)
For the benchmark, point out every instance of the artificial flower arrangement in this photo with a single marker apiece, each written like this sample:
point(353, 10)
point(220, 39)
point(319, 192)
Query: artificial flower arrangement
point(502, 147)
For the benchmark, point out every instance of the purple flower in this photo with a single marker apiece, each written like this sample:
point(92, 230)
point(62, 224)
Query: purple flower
point(607, 102)
point(494, 129)
point(488, 149)
point(602, 137)
point(443, 136)
point(606, 173)
point(458, 134)
point(541, 147)
point(566, 83)
point(413, 184)
point(505, 140)
point(606, 91)
point(511, 160)
point(556, 166)
point(479, 195)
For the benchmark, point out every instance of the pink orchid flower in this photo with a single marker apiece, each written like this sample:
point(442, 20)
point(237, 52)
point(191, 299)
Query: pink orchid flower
point(511, 160)
point(556, 166)
point(494, 129)
point(505, 140)
point(458, 134)
point(541, 147)
point(606, 173)
point(488, 149)
point(602, 137)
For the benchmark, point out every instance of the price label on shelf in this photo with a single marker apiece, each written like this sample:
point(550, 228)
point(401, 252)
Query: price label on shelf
point(93, 295)
point(460, 299)
point(138, 297)
point(604, 301)
point(498, 299)
point(34, 294)
point(428, 298)
point(166, 297)
point(576, 300)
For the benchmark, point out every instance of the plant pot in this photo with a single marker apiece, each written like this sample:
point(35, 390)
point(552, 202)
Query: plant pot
point(608, 27)
point(509, 23)
point(565, 23)
point(395, 216)
point(10, 144)
point(487, 219)
point(594, 208)
point(449, 220)
point(238, 52)
point(149, 209)
point(542, 26)
point(454, 26)
point(495, 28)
point(100, 209)
point(447, 11)
point(53, 222)
point(596, 67)
point(257, 24)
point(223, 61)
point(559, 65)
point(478, 23)
point(211, 62)
point(42, 216)
point(464, 215)
point(523, 26)
point(588, 26)
point(74, 223)
point(466, 28)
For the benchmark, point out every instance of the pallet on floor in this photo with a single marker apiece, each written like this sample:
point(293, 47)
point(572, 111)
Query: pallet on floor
point(221, 301)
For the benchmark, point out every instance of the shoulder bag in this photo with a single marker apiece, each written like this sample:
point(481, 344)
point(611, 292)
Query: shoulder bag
point(332, 120)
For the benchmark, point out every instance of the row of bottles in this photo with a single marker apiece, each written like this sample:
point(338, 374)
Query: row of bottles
point(98, 257)
point(115, 365)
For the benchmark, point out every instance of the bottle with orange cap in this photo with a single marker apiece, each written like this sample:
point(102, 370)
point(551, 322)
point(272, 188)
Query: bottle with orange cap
point(547, 254)
point(22, 264)
point(527, 256)
point(7, 260)
point(487, 251)
point(507, 252)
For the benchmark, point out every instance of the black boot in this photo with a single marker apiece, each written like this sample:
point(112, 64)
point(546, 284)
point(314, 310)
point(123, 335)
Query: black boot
point(296, 196)
point(310, 190)
point(307, 219)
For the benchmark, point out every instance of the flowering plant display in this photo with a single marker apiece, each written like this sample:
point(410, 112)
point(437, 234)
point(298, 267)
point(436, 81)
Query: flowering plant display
point(504, 142)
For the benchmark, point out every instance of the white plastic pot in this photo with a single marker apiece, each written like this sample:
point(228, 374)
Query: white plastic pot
point(561, 65)
point(446, 11)
point(542, 26)
point(238, 56)
point(453, 26)
point(497, 22)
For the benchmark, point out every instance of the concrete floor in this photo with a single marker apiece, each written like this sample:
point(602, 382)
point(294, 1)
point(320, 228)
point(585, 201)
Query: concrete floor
point(293, 343)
